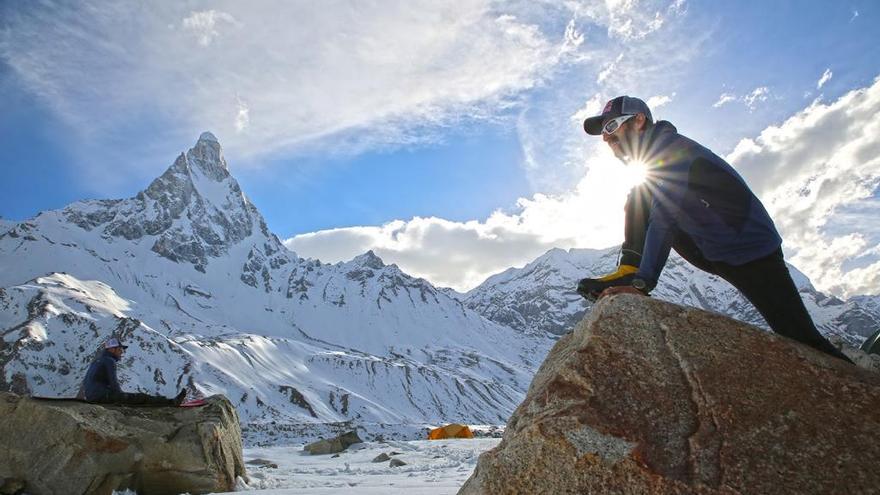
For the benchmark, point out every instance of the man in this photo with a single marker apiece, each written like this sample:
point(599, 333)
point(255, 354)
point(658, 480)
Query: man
point(101, 385)
point(696, 203)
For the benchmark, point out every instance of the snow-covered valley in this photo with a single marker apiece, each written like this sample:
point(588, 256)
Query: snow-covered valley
point(433, 467)
point(188, 274)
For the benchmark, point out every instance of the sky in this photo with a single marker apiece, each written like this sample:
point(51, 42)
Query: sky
point(446, 136)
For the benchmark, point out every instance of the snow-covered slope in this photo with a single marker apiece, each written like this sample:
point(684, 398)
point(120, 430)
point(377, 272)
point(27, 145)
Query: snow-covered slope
point(189, 275)
point(541, 297)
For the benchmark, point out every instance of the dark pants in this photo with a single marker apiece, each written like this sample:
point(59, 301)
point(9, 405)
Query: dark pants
point(765, 282)
point(134, 399)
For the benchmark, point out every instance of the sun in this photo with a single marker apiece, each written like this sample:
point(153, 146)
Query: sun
point(633, 173)
point(609, 180)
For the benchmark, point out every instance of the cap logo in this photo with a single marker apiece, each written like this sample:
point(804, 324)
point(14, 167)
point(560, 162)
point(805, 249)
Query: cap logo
point(607, 107)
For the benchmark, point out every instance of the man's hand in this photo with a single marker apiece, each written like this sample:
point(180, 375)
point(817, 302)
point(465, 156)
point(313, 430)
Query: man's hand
point(621, 289)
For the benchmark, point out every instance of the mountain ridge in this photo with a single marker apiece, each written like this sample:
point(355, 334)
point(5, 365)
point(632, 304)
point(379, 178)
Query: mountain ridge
point(540, 296)
point(188, 272)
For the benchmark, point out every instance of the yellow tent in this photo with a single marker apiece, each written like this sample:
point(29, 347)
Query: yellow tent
point(450, 431)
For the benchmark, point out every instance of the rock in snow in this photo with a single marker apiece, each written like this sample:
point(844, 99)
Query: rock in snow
point(650, 397)
point(64, 447)
point(333, 445)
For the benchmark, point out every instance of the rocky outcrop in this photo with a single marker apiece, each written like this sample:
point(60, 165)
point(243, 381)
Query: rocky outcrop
point(649, 397)
point(69, 447)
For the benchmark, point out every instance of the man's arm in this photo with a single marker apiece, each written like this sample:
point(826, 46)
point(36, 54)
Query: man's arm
point(112, 381)
point(658, 242)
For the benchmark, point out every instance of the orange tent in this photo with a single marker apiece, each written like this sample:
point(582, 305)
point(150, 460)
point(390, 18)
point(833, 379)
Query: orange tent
point(450, 431)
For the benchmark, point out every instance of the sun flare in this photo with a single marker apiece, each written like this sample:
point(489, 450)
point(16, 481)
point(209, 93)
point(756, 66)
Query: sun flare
point(633, 173)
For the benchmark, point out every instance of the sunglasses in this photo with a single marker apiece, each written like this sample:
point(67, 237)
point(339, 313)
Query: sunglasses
point(614, 124)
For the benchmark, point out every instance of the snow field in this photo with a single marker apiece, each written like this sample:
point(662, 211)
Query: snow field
point(433, 467)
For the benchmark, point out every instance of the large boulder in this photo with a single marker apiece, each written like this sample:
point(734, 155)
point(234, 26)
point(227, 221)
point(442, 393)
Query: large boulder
point(69, 447)
point(649, 397)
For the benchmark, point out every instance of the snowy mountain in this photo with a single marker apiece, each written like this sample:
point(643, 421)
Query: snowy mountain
point(541, 297)
point(188, 274)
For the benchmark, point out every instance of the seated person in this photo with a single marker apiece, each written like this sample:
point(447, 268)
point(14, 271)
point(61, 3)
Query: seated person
point(101, 385)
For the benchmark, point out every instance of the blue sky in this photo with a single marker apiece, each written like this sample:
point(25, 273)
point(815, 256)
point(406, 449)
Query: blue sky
point(446, 136)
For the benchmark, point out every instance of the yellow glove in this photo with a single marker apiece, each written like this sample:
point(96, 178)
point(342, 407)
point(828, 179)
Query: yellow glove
point(622, 271)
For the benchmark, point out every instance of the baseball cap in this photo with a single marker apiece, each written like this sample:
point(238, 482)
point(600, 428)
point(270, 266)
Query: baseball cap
point(622, 105)
point(114, 342)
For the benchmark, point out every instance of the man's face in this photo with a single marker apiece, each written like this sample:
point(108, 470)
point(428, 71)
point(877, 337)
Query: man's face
point(624, 140)
point(117, 351)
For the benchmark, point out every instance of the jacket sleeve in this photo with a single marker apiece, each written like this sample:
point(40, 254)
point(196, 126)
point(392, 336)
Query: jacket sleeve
point(669, 186)
point(658, 242)
point(112, 380)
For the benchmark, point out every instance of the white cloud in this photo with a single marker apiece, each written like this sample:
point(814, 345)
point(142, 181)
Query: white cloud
point(591, 108)
point(815, 173)
point(751, 100)
point(573, 37)
point(345, 77)
point(855, 13)
point(724, 99)
point(658, 101)
point(550, 126)
point(451, 254)
point(556, 154)
point(826, 76)
point(243, 117)
point(608, 70)
point(205, 25)
point(678, 7)
point(812, 171)
point(630, 20)
point(342, 79)
point(463, 254)
point(758, 95)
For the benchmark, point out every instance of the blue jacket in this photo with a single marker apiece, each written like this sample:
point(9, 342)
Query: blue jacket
point(696, 192)
point(101, 378)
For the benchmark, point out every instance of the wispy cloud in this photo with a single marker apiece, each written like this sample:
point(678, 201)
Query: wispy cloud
point(812, 171)
point(343, 79)
point(658, 101)
point(750, 100)
point(592, 107)
point(550, 127)
point(352, 74)
point(608, 70)
point(724, 99)
point(758, 95)
point(206, 25)
point(243, 119)
point(855, 13)
point(826, 76)
point(631, 21)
